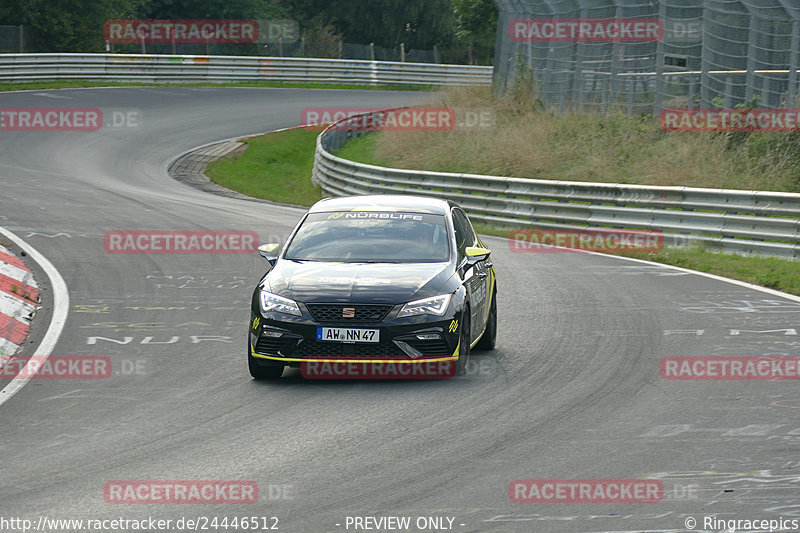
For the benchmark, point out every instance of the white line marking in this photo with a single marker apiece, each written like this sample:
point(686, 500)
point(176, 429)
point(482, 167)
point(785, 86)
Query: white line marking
point(57, 322)
point(48, 95)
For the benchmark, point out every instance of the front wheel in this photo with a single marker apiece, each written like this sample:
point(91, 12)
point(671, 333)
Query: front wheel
point(489, 337)
point(463, 344)
point(262, 372)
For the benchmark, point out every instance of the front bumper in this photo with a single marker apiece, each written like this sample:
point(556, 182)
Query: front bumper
point(292, 341)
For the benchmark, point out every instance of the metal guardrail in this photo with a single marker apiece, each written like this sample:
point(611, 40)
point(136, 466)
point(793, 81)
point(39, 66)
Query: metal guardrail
point(154, 68)
point(756, 222)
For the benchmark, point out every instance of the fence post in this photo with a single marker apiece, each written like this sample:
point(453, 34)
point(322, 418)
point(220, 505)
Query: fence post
point(616, 63)
point(705, 62)
point(21, 39)
point(659, 96)
point(630, 86)
point(402, 52)
point(750, 80)
point(372, 51)
point(793, 64)
point(728, 92)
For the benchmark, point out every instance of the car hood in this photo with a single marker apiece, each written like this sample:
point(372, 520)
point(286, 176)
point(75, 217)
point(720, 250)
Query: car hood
point(388, 283)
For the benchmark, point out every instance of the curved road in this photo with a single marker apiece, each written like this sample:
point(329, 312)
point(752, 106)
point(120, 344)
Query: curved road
point(572, 392)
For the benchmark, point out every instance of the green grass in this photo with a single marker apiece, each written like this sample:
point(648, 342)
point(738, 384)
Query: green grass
point(524, 139)
point(361, 149)
point(771, 272)
point(276, 166)
point(77, 84)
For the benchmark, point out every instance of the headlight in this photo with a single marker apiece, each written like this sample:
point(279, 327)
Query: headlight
point(435, 305)
point(278, 304)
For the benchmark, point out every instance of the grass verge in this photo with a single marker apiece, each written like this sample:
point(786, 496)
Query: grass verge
point(522, 138)
point(276, 166)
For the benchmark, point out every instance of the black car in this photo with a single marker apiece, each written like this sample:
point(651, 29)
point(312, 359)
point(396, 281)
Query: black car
point(374, 286)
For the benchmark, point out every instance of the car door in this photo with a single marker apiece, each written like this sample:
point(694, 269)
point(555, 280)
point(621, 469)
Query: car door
point(476, 277)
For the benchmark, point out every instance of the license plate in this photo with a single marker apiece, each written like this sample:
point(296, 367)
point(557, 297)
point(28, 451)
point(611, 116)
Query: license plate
point(348, 334)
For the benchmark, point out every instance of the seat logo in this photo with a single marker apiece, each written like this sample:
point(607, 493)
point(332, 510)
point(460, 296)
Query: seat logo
point(348, 312)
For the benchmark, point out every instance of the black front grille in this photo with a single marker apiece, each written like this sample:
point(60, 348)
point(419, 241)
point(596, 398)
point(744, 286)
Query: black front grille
point(364, 350)
point(336, 312)
point(273, 345)
point(437, 347)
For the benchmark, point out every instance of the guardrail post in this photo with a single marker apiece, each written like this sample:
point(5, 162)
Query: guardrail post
point(373, 73)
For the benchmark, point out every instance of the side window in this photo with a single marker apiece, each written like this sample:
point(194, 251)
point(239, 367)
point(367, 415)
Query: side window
point(464, 234)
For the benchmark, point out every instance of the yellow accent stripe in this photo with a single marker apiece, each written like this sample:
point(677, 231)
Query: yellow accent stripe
point(491, 292)
point(454, 357)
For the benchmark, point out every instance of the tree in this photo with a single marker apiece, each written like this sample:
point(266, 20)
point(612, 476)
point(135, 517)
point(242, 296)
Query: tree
point(68, 25)
point(215, 9)
point(387, 23)
point(476, 25)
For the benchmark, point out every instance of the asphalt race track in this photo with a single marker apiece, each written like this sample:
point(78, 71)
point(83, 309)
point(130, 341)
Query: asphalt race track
point(572, 392)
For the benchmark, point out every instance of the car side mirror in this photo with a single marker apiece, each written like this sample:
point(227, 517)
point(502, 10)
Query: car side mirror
point(269, 252)
point(476, 254)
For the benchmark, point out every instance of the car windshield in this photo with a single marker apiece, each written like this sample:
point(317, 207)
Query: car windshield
point(372, 237)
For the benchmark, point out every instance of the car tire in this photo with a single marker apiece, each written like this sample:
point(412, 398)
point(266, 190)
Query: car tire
point(489, 338)
point(262, 372)
point(463, 346)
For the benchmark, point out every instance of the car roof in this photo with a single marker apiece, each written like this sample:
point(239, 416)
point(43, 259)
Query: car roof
point(383, 202)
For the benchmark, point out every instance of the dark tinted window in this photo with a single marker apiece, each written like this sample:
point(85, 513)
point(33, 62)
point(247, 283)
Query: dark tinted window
point(366, 236)
point(464, 234)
